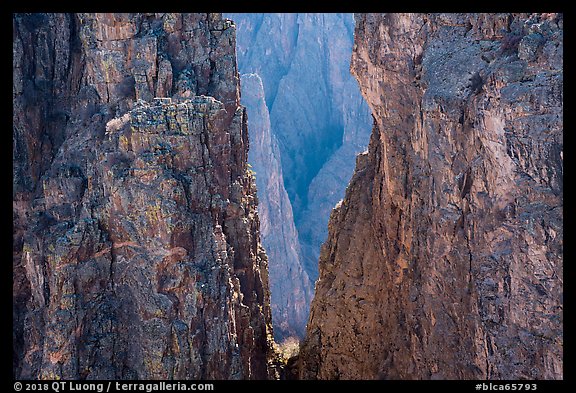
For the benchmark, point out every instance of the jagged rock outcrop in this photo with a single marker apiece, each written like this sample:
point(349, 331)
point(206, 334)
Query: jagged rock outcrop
point(320, 121)
point(136, 238)
point(290, 287)
point(444, 261)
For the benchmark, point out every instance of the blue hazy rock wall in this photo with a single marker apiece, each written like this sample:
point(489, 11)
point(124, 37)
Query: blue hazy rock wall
point(318, 119)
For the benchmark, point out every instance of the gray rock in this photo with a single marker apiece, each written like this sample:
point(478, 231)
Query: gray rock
point(317, 116)
point(290, 286)
point(529, 45)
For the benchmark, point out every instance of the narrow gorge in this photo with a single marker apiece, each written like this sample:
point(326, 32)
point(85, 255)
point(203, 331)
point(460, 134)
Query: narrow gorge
point(193, 191)
point(309, 123)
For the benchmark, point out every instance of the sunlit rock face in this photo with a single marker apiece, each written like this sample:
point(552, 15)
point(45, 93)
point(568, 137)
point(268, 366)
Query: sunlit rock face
point(444, 260)
point(319, 122)
point(136, 238)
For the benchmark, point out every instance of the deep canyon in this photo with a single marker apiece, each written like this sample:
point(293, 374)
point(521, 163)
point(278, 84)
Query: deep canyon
point(307, 126)
point(174, 176)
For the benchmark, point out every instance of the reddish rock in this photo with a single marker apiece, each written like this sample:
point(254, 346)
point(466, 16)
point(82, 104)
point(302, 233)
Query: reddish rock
point(136, 238)
point(444, 261)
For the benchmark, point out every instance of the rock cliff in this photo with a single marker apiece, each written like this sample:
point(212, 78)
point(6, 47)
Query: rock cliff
point(291, 289)
point(444, 260)
point(333, 124)
point(136, 239)
point(319, 122)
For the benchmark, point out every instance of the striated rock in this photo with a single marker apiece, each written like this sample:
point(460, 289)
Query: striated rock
point(266, 44)
point(318, 115)
point(444, 261)
point(320, 121)
point(136, 237)
point(291, 288)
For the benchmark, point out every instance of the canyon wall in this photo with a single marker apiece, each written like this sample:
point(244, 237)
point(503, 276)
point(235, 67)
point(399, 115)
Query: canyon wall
point(136, 251)
point(444, 260)
point(319, 122)
point(291, 289)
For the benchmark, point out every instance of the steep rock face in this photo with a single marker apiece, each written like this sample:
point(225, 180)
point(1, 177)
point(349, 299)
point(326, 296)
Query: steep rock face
point(319, 119)
point(290, 287)
point(444, 261)
point(136, 238)
point(318, 115)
